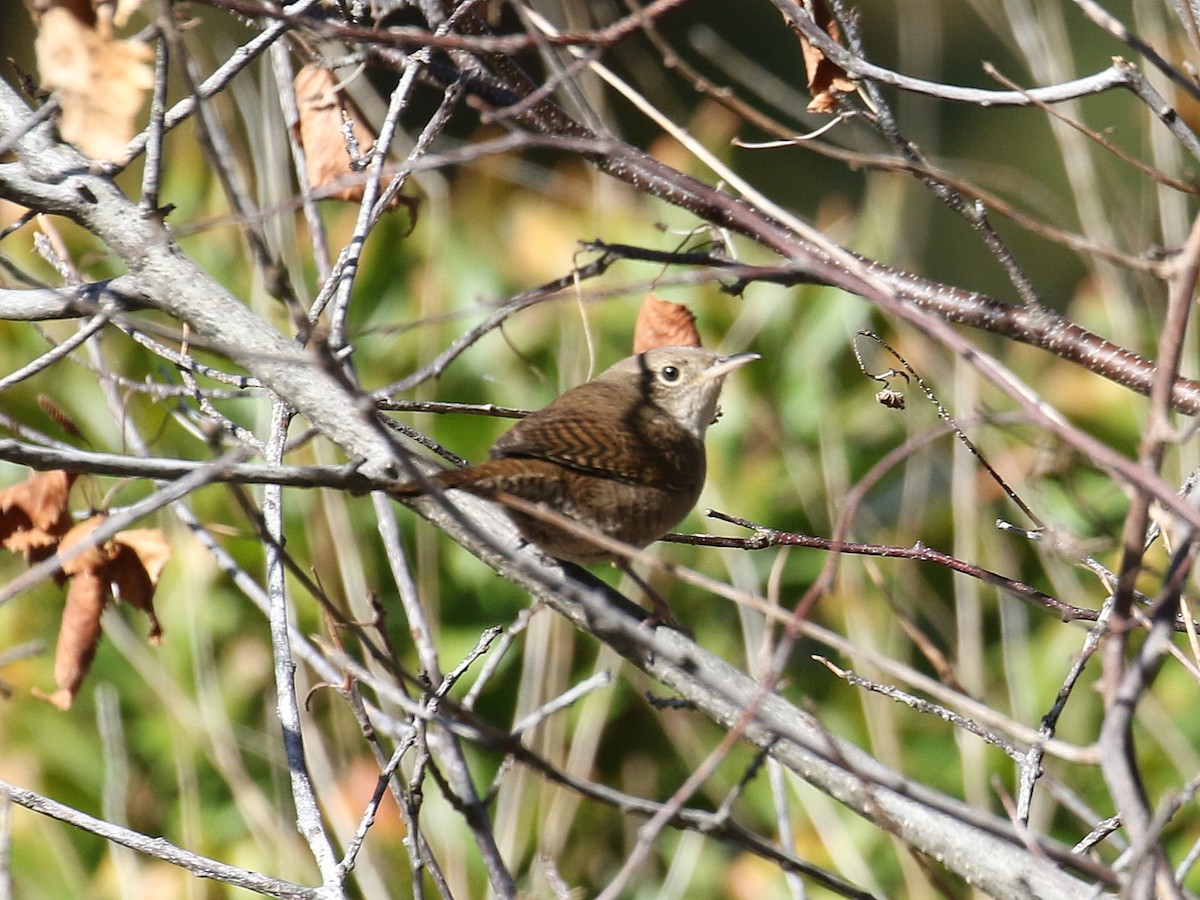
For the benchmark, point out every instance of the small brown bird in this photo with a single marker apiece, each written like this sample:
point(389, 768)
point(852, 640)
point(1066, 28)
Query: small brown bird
point(622, 454)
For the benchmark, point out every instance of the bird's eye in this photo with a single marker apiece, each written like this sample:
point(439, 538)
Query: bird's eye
point(669, 374)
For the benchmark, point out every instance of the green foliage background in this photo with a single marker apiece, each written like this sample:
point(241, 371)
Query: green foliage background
point(180, 740)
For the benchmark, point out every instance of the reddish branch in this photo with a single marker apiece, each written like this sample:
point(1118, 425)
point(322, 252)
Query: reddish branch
point(1041, 328)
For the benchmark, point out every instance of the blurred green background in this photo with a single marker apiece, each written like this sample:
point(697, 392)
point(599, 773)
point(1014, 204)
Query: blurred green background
point(180, 740)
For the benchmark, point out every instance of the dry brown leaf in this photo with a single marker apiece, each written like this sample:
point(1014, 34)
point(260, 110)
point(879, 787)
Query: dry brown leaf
point(93, 558)
point(661, 323)
point(127, 567)
point(101, 83)
point(825, 78)
point(324, 109)
point(78, 637)
point(141, 556)
point(150, 547)
point(33, 514)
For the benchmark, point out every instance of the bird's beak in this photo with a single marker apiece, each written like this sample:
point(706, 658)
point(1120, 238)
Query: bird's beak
point(727, 364)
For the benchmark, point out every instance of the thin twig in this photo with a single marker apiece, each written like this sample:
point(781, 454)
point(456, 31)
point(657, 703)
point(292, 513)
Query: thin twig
point(158, 848)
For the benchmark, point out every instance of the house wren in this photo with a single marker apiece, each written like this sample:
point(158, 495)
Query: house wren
point(622, 454)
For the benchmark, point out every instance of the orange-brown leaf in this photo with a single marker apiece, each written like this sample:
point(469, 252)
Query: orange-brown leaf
point(135, 569)
point(661, 323)
point(825, 78)
point(100, 82)
point(33, 514)
point(150, 547)
point(324, 109)
point(94, 558)
point(77, 636)
point(128, 566)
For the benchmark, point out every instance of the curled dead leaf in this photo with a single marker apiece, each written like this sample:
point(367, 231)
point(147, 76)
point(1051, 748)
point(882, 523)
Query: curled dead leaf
point(128, 568)
point(100, 82)
point(91, 559)
point(141, 555)
point(325, 113)
point(825, 78)
point(661, 323)
point(33, 514)
point(78, 635)
point(337, 140)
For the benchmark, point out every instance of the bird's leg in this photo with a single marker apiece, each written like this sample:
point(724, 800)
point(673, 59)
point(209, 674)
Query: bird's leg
point(662, 614)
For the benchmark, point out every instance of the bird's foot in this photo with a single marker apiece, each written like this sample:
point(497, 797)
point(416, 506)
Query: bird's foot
point(660, 613)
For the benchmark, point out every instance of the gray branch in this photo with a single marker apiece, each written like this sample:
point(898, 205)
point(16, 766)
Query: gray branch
point(54, 177)
point(157, 847)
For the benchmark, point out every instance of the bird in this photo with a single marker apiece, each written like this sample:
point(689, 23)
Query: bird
point(621, 455)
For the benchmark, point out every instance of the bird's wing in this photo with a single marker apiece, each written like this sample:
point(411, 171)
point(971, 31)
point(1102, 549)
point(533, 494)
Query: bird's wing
point(600, 430)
